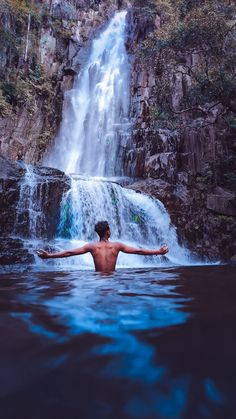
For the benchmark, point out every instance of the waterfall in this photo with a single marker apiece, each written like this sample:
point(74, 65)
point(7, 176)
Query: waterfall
point(90, 147)
point(27, 38)
point(95, 126)
point(30, 219)
point(134, 218)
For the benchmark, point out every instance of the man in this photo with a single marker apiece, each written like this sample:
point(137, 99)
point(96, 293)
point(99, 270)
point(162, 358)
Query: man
point(104, 252)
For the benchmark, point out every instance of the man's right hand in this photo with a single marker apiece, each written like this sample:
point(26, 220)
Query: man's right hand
point(43, 254)
point(163, 250)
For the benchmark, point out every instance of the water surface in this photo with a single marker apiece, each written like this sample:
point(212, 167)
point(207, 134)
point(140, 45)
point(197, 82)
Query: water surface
point(150, 343)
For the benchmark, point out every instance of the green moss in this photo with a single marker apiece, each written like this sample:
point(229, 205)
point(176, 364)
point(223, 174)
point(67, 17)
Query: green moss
point(62, 31)
point(204, 28)
point(231, 120)
point(5, 107)
point(44, 139)
point(16, 92)
point(36, 75)
point(162, 117)
point(229, 179)
point(20, 9)
point(7, 39)
point(147, 8)
point(9, 92)
point(206, 176)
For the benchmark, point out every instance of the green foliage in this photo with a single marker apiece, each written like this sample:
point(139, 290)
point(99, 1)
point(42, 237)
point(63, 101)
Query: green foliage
point(36, 75)
point(163, 118)
point(16, 92)
point(206, 176)
point(231, 120)
point(214, 86)
point(196, 33)
point(5, 108)
point(20, 79)
point(198, 40)
point(7, 39)
point(44, 139)
point(20, 9)
point(9, 92)
point(147, 6)
point(62, 31)
point(13, 33)
point(185, 6)
point(229, 180)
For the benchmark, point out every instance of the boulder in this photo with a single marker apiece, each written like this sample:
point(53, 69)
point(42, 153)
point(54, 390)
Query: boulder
point(161, 163)
point(36, 198)
point(222, 202)
point(12, 251)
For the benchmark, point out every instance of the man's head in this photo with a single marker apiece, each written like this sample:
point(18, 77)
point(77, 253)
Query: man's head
point(102, 229)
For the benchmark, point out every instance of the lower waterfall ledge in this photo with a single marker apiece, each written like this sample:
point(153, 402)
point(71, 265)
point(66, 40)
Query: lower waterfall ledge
point(13, 251)
point(205, 232)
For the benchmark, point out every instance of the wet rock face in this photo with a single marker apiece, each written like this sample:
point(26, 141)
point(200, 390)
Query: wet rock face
point(10, 179)
point(185, 172)
point(189, 169)
point(222, 201)
point(38, 207)
point(13, 251)
point(22, 202)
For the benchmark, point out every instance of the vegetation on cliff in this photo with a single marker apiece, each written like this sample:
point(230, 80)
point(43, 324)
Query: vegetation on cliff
point(197, 39)
point(19, 68)
point(24, 83)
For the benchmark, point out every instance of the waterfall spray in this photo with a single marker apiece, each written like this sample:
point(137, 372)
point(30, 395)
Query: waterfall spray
point(27, 38)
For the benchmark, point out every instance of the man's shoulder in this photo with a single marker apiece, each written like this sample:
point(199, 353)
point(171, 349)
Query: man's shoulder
point(117, 245)
point(92, 245)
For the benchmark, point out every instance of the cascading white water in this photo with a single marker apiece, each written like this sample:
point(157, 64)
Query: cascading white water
point(30, 219)
point(95, 124)
point(91, 142)
point(134, 218)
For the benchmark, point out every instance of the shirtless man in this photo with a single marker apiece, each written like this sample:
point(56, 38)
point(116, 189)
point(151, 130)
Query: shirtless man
point(104, 252)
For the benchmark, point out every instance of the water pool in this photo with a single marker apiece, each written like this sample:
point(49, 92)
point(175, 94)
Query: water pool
point(150, 343)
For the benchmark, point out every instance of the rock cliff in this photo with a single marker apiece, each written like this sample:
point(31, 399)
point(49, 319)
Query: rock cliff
point(186, 161)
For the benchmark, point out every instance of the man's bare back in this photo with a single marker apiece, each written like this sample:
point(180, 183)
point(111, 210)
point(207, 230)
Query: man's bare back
point(104, 252)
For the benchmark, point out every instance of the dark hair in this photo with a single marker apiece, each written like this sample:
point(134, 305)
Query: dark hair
point(101, 228)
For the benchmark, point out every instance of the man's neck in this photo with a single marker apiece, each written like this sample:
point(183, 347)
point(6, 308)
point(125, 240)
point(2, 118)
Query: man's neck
point(104, 239)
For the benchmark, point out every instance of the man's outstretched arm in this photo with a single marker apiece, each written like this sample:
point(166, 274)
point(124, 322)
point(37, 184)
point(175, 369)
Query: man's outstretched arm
point(65, 254)
point(132, 250)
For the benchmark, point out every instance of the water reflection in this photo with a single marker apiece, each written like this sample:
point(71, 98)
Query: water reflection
point(144, 344)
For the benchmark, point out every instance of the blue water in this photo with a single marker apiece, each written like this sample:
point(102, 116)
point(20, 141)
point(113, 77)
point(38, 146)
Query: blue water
point(149, 343)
